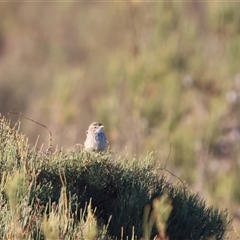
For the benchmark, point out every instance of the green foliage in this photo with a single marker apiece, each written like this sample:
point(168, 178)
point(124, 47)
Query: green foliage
point(84, 195)
point(152, 73)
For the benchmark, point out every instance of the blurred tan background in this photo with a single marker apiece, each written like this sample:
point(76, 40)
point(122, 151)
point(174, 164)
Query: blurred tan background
point(151, 73)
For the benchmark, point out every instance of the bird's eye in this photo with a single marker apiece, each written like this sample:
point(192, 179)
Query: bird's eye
point(86, 132)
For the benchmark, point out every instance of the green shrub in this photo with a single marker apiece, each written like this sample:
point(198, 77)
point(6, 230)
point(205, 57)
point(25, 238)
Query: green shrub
point(83, 195)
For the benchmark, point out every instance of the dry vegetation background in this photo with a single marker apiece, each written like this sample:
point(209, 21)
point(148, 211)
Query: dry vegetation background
point(152, 73)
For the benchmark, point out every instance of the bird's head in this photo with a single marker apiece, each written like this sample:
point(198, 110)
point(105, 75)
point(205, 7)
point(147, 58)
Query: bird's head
point(95, 127)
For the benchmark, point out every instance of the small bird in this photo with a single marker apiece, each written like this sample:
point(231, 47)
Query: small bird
point(96, 139)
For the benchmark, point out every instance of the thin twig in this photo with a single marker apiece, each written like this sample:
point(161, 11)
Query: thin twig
point(169, 152)
point(165, 166)
point(30, 119)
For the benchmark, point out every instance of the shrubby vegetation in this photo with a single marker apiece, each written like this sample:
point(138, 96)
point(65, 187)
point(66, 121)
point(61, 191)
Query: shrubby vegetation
point(84, 195)
point(152, 73)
